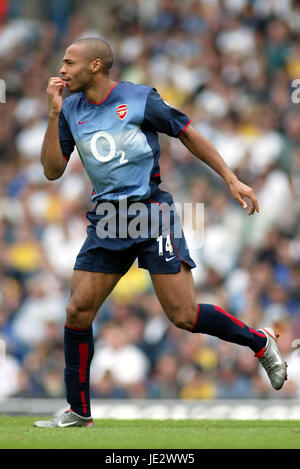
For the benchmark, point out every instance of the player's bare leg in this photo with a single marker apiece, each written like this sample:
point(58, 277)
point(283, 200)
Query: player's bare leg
point(176, 295)
point(177, 298)
point(88, 292)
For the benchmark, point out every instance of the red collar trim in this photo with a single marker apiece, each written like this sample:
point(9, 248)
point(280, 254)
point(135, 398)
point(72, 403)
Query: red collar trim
point(97, 104)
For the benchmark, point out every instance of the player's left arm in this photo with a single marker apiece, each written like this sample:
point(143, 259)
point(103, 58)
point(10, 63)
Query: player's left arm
point(199, 146)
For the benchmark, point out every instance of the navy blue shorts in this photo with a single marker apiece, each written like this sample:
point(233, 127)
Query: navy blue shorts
point(117, 235)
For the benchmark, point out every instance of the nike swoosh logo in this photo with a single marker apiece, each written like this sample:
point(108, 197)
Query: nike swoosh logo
point(79, 122)
point(170, 258)
point(62, 425)
point(279, 360)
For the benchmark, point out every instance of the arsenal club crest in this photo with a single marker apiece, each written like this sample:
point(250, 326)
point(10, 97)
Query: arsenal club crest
point(122, 111)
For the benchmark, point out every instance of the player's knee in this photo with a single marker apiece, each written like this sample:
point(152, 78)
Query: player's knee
point(78, 316)
point(184, 319)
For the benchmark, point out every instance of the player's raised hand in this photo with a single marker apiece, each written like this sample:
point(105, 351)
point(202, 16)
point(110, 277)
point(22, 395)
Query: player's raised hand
point(240, 191)
point(54, 93)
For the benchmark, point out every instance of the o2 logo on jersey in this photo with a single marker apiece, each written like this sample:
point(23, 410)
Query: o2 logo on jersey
point(108, 146)
point(122, 111)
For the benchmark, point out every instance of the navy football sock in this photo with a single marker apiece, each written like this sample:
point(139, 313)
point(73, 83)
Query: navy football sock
point(79, 351)
point(214, 321)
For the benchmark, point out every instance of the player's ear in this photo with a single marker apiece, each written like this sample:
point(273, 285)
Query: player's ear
point(96, 65)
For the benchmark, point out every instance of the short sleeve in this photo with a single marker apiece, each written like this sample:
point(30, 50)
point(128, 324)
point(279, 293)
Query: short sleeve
point(65, 137)
point(161, 117)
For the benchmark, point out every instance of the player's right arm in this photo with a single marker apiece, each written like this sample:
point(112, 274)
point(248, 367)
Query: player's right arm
point(52, 159)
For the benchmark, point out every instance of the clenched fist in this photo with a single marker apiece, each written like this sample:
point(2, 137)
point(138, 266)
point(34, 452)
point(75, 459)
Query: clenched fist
point(54, 94)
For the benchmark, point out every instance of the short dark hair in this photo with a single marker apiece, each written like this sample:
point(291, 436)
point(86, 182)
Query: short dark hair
point(98, 49)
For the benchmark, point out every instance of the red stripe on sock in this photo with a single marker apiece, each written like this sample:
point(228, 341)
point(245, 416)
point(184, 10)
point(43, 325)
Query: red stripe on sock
point(83, 402)
point(83, 360)
point(233, 318)
point(257, 333)
point(260, 354)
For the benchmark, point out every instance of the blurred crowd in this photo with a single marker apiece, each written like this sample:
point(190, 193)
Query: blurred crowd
point(229, 65)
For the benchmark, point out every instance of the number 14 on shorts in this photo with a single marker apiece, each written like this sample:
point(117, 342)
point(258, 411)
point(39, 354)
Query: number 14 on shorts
point(168, 246)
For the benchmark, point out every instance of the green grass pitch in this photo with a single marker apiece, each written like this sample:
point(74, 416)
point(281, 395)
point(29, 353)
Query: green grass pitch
point(17, 432)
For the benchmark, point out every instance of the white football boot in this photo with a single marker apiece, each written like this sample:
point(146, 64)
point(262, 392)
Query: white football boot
point(272, 361)
point(67, 419)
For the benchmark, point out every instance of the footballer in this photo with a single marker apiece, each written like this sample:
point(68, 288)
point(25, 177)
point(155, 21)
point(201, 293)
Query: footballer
point(115, 126)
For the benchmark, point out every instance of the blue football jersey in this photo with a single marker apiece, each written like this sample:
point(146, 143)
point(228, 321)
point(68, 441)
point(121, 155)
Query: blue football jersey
point(117, 139)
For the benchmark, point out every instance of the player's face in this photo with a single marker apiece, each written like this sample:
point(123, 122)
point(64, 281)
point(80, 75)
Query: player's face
point(75, 70)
